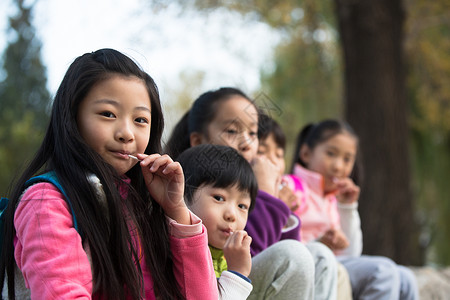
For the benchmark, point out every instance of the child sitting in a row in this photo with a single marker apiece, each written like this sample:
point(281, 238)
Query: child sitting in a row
point(221, 189)
point(118, 228)
point(282, 267)
point(327, 204)
point(272, 144)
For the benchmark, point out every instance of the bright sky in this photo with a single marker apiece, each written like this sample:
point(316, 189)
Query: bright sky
point(230, 50)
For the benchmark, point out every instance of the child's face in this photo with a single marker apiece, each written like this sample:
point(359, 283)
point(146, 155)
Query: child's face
point(270, 149)
point(222, 210)
point(236, 126)
point(333, 158)
point(114, 119)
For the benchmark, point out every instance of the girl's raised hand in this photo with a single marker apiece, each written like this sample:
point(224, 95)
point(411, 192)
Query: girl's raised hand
point(237, 252)
point(165, 181)
point(348, 191)
point(267, 175)
point(288, 197)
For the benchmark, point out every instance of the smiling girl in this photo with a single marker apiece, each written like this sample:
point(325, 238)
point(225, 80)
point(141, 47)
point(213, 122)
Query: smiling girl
point(135, 238)
point(324, 160)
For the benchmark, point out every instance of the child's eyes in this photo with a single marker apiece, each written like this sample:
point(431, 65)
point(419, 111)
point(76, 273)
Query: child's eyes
point(348, 159)
point(261, 151)
point(141, 120)
point(107, 114)
point(231, 131)
point(219, 198)
point(330, 153)
point(243, 206)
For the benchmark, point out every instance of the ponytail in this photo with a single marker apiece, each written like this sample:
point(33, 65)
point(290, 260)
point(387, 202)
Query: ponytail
point(179, 140)
point(301, 139)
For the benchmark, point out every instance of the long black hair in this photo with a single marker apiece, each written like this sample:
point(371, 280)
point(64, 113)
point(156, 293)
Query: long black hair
point(202, 113)
point(314, 134)
point(220, 166)
point(115, 273)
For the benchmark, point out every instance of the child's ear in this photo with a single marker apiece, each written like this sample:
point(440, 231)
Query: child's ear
point(195, 139)
point(304, 154)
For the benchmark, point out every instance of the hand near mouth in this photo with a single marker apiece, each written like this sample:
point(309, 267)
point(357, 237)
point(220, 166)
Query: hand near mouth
point(165, 181)
point(348, 191)
point(237, 252)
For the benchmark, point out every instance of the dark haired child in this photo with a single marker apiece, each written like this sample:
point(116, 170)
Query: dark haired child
point(282, 267)
point(324, 158)
point(221, 190)
point(328, 284)
point(136, 239)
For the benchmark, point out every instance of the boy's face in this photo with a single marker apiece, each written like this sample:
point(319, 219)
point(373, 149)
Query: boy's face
point(222, 210)
point(269, 148)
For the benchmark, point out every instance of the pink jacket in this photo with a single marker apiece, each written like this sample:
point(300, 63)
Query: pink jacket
point(319, 212)
point(49, 253)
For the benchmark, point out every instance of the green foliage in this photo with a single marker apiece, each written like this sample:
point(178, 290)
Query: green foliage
point(428, 50)
point(305, 83)
point(24, 98)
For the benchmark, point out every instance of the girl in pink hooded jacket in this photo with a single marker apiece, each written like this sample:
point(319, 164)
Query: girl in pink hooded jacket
point(136, 239)
point(327, 205)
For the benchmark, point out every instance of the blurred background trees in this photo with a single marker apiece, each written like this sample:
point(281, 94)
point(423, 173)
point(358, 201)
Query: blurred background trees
point(23, 94)
point(382, 65)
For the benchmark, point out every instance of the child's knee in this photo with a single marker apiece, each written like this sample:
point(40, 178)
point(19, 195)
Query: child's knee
point(384, 269)
point(408, 288)
point(324, 258)
point(295, 256)
point(320, 252)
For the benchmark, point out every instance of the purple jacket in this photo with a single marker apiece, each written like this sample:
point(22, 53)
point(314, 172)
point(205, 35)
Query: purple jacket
point(267, 221)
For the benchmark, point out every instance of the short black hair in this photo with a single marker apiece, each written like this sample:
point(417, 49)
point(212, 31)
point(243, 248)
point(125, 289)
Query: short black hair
point(220, 166)
point(267, 126)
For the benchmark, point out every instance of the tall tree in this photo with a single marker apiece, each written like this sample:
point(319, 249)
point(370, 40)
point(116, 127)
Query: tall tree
point(372, 39)
point(24, 97)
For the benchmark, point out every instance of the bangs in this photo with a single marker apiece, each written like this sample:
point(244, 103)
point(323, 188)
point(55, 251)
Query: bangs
point(219, 166)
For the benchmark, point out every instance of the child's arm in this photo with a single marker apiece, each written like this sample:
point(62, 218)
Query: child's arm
point(233, 287)
point(351, 226)
point(348, 194)
point(266, 223)
point(165, 181)
point(193, 265)
point(48, 249)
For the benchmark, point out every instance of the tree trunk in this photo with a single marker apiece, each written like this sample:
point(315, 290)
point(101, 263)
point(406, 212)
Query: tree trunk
point(375, 105)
